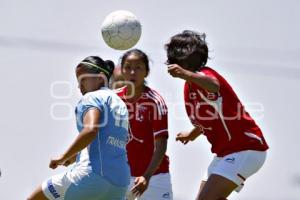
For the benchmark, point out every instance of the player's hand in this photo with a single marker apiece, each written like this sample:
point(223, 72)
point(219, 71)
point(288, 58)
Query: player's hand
point(177, 71)
point(54, 163)
point(140, 185)
point(184, 137)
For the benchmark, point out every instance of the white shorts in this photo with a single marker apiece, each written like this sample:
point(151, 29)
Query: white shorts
point(78, 184)
point(160, 188)
point(237, 167)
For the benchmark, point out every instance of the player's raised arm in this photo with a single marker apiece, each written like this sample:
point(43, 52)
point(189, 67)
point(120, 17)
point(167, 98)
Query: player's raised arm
point(187, 53)
point(208, 83)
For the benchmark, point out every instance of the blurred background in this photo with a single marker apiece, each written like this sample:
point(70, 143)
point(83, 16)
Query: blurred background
point(254, 44)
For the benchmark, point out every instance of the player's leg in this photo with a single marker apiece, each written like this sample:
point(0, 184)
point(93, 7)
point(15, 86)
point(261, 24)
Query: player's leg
point(37, 194)
point(201, 186)
point(230, 172)
point(56, 187)
point(217, 187)
point(210, 168)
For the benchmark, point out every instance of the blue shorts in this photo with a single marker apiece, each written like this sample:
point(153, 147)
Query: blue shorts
point(79, 184)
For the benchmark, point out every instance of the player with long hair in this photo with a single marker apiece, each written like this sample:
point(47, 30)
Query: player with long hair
point(101, 170)
point(216, 112)
point(148, 119)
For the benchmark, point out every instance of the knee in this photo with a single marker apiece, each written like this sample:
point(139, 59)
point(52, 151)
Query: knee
point(210, 196)
point(31, 197)
point(204, 198)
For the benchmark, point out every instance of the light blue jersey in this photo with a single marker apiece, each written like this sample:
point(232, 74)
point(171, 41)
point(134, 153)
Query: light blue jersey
point(101, 171)
point(106, 155)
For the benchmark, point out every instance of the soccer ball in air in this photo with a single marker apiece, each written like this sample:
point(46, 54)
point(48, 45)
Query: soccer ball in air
point(121, 30)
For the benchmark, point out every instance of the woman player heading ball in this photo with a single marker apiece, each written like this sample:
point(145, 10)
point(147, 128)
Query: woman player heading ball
point(216, 112)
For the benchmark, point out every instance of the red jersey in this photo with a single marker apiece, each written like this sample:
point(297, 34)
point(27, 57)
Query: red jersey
point(222, 117)
point(148, 119)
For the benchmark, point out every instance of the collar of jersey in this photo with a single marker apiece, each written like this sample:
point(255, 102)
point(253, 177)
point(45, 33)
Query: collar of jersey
point(142, 95)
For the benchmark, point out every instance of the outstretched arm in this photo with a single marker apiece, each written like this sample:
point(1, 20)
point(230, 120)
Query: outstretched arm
point(86, 136)
point(208, 83)
point(141, 183)
point(185, 137)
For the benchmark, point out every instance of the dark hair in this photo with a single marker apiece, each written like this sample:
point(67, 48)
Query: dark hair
point(188, 48)
point(139, 53)
point(95, 65)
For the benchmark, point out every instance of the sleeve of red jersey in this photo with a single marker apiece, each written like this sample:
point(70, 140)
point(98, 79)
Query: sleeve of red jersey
point(160, 117)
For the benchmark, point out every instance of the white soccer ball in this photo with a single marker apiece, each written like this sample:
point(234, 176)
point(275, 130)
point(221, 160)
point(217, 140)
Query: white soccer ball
point(121, 30)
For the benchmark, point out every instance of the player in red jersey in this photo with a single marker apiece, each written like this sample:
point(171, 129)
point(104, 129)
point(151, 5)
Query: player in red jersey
point(216, 112)
point(148, 117)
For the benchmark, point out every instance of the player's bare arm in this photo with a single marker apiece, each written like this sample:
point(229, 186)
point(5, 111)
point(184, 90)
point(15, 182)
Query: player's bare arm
point(142, 182)
point(87, 135)
point(208, 83)
point(70, 161)
point(186, 137)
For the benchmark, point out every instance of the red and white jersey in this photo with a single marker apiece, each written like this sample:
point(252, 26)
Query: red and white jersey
point(222, 117)
point(148, 119)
